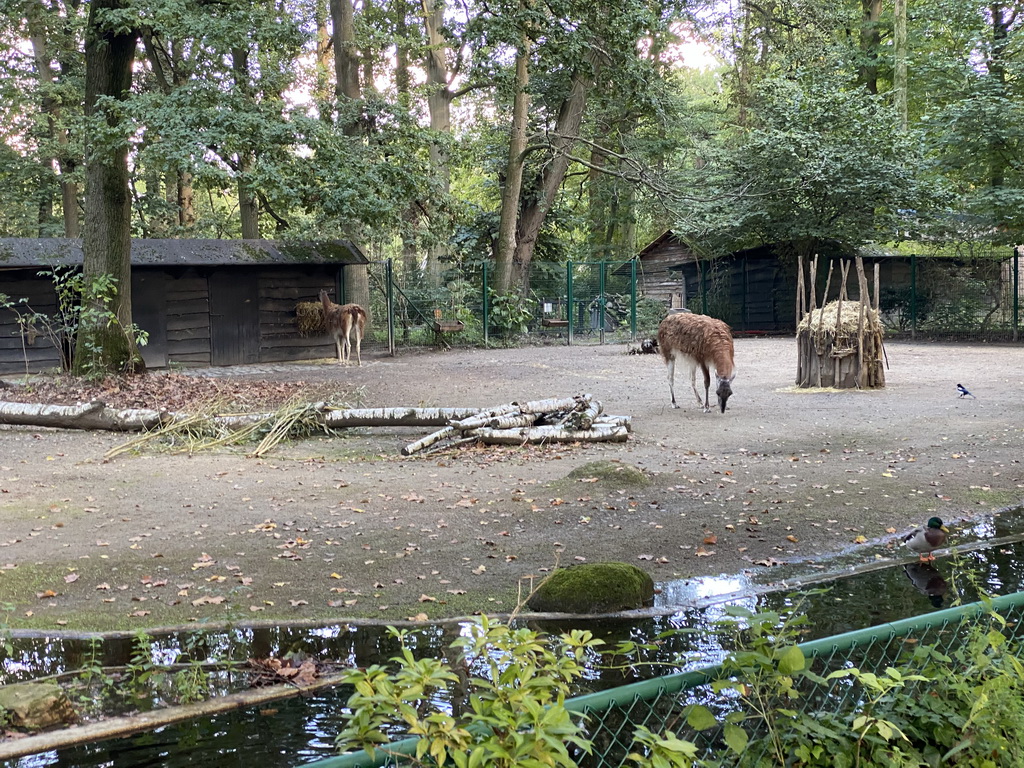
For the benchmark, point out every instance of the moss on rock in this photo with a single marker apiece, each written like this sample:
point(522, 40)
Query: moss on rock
point(616, 472)
point(593, 588)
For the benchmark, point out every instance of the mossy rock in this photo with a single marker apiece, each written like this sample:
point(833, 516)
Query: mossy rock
point(594, 588)
point(35, 706)
point(613, 472)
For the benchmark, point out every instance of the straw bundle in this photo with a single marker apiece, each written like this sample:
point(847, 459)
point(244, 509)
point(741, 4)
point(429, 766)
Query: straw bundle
point(828, 320)
point(309, 317)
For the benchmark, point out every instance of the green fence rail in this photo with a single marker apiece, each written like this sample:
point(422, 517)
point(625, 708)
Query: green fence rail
point(611, 716)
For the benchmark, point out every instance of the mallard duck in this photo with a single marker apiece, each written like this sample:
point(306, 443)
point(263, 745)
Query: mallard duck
point(925, 540)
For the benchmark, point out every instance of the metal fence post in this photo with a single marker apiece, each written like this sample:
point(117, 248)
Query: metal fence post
point(1016, 291)
point(913, 295)
point(569, 301)
point(487, 306)
point(632, 300)
point(703, 288)
point(601, 298)
point(389, 297)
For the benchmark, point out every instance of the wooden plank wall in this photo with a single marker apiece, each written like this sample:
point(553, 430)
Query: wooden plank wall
point(15, 350)
point(188, 318)
point(280, 289)
point(655, 280)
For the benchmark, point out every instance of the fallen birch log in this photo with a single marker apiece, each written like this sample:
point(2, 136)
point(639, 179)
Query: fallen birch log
point(484, 417)
point(396, 417)
point(552, 434)
point(94, 415)
point(553, 404)
point(425, 442)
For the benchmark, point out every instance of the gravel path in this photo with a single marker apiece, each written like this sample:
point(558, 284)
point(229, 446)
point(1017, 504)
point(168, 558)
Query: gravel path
point(347, 528)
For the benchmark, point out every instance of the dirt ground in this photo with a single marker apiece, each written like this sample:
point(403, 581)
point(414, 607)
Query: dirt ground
point(336, 528)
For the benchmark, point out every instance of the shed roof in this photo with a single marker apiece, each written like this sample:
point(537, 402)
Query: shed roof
point(59, 251)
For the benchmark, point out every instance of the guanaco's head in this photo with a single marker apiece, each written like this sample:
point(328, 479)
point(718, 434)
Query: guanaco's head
point(724, 390)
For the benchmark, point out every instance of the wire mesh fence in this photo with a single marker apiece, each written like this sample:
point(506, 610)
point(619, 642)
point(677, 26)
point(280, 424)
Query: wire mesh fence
point(971, 296)
point(612, 717)
point(578, 303)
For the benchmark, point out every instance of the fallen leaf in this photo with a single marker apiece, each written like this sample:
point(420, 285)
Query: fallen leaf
point(296, 603)
point(792, 538)
point(71, 578)
point(206, 600)
point(46, 594)
point(701, 552)
point(427, 599)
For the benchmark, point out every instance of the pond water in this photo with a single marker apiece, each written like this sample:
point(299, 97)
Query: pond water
point(298, 730)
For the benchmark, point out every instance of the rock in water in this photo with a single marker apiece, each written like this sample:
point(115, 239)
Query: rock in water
point(36, 706)
point(593, 588)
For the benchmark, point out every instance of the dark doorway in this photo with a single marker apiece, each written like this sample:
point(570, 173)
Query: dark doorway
point(234, 317)
point(149, 312)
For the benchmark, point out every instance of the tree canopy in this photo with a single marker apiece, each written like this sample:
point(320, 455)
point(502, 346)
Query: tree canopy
point(519, 132)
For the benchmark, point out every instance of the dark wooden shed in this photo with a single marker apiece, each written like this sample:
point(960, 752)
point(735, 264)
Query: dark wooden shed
point(754, 290)
point(202, 302)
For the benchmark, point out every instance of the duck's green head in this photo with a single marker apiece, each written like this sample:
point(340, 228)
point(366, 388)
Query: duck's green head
point(936, 522)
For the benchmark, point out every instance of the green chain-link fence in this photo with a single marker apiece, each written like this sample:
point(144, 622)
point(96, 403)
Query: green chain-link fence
point(578, 303)
point(613, 715)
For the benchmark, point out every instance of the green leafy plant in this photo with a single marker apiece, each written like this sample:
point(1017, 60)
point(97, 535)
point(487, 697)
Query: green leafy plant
point(143, 675)
point(511, 713)
point(511, 313)
point(80, 303)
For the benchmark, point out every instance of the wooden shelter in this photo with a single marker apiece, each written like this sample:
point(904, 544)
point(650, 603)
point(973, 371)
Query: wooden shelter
point(839, 344)
point(202, 302)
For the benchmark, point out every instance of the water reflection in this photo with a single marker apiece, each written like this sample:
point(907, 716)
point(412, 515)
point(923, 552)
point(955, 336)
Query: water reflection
point(288, 733)
point(928, 580)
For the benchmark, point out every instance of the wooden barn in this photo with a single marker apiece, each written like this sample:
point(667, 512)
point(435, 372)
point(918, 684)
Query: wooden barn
point(657, 270)
point(202, 302)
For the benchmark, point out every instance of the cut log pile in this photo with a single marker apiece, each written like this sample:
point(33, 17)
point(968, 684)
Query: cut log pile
point(572, 419)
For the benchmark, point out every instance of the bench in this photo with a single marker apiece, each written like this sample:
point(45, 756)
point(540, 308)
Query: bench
point(551, 322)
point(441, 327)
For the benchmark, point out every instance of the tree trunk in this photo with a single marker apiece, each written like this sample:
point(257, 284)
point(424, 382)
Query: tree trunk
point(439, 103)
point(321, 87)
point(248, 208)
point(506, 246)
point(36, 16)
point(899, 76)
point(870, 42)
point(567, 130)
point(109, 55)
point(346, 64)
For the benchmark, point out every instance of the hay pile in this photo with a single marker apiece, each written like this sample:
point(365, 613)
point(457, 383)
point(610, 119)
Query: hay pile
point(828, 320)
point(835, 350)
point(309, 318)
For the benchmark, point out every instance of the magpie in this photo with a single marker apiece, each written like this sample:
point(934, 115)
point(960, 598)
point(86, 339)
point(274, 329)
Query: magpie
point(964, 392)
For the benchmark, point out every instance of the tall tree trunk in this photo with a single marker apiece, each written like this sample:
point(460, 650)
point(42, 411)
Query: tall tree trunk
point(346, 64)
point(248, 208)
point(321, 86)
point(899, 76)
point(439, 104)
point(506, 246)
point(36, 15)
point(531, 218)
point(870, 42)
point(167, 65)
point(997, 71)
point(109, 55)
